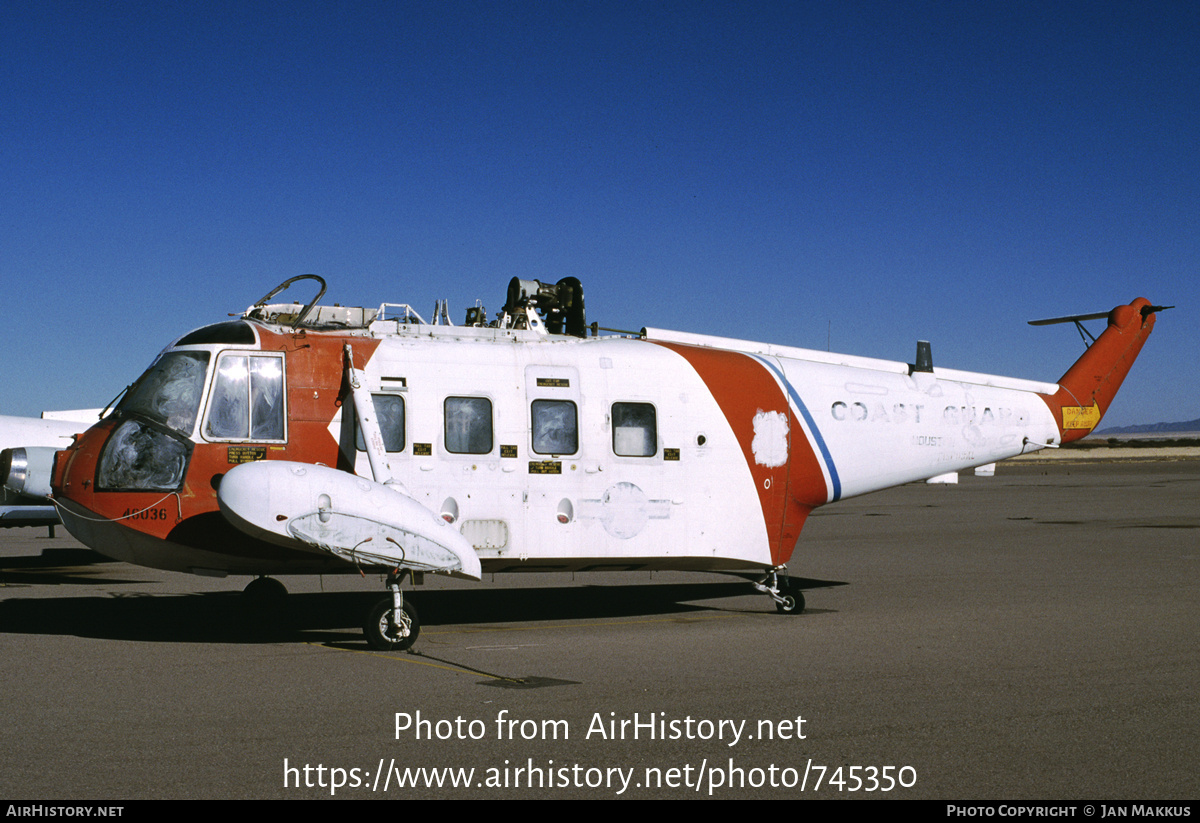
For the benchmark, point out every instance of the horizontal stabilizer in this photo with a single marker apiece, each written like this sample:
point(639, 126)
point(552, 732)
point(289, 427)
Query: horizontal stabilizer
point(1073, 318)
point(1100, 315)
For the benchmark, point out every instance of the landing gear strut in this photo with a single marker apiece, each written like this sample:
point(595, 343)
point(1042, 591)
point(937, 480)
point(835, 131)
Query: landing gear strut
point(392, 624)
point(783, 590)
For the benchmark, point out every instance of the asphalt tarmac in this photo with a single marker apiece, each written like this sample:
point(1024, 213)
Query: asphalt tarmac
point(1027, 636)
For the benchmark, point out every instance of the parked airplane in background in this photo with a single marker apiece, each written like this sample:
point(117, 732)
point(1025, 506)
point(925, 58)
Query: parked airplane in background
point(53, 431)
point(317, 439)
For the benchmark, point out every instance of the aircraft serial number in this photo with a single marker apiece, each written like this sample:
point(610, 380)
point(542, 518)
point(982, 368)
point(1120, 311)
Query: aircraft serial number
point(144, 514)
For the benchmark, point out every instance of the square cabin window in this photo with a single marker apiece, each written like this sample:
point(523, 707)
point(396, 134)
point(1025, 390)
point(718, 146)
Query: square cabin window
point(635, 430)
point(389, 413)
point(468, 425)
point(555, 427)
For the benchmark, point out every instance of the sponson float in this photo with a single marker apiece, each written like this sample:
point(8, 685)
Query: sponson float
point(316, 439)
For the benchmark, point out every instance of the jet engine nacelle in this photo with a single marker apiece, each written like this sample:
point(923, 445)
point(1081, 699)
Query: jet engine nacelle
point(26, 471)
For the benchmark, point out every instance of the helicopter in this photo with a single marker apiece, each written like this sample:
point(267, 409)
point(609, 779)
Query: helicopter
point(301, 438)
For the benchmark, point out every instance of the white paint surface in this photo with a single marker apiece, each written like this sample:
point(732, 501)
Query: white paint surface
point(770, 444)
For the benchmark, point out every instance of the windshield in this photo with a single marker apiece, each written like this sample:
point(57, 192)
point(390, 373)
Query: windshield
point(139, 457)
point(169, 392)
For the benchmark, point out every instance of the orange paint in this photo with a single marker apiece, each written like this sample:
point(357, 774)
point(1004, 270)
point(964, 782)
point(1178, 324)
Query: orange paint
point(743, 387)
point(1094, 379)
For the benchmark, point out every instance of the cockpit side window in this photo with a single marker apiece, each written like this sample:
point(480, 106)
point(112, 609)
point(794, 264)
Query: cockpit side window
point(247, 401)
point(266, 398)
point(169, 392)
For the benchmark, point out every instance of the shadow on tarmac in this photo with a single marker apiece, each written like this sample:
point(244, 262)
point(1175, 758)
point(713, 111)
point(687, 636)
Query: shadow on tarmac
point(58, 567)
point(223, 617)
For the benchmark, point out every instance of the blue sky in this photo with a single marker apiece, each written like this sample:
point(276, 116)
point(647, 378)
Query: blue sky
point(871, 173)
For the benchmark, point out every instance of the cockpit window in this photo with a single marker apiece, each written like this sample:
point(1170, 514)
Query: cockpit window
point(141, 457)
point(247, 398)
point(169, 392)
point(232, 332)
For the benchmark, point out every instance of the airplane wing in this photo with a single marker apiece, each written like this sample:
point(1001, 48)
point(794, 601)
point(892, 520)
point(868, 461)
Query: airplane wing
point(31, 515)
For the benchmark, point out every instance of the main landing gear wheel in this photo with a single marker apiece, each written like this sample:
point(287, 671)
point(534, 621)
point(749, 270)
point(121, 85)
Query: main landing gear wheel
point(386, 632)
point(793, 603)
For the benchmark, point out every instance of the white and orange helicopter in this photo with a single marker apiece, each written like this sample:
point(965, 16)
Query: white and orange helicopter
point(318, 439)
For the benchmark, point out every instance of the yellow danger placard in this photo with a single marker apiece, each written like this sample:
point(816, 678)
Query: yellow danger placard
point(1080, 417)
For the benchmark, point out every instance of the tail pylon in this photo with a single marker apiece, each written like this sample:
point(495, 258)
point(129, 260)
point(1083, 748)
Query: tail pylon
point(1087, 389)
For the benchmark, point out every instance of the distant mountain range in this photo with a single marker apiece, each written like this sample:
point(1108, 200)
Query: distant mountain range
point(1155, 428)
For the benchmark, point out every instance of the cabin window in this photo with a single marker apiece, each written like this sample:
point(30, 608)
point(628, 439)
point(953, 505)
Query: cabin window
point(170, 390)
point(389, 413)
point(468, 425)
point(555, 427)
point(635, 430)
point(247, 398)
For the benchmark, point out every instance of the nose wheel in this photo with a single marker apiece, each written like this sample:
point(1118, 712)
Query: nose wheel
point(392, 624)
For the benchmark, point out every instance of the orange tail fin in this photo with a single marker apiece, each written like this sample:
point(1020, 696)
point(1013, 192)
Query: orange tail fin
point(1087, 389)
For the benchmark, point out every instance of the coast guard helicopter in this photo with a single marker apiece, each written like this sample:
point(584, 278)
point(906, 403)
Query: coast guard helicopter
point(318, 439)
